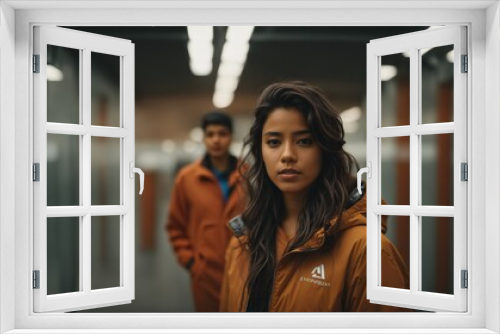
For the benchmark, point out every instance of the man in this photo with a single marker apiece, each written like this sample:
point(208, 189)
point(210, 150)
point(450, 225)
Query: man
point(206, 195)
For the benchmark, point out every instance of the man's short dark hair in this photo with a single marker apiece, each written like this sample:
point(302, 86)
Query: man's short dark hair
point(216, 118)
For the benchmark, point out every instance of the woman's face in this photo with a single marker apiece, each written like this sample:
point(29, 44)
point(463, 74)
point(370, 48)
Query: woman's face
point(291, 156)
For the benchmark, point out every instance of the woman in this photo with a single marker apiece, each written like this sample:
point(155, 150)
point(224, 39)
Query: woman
point(300, 245)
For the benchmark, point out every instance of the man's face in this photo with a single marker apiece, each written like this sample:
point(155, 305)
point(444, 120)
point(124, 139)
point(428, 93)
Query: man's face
point(217, 140)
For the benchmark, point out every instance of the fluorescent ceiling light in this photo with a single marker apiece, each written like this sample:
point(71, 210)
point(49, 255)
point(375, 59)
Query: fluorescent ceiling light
point(200, 69)
point(230, 69)
point(168, 146)
point(235, 52)
point(226, 84)
point(200, 50)
point(239, 33)
point(236, 148)
point(189, 146)
point(196, 134)
point(199, 33)
point(450, 56)
point(387, 72)
point(351, 115)
point(200, 54)
point(222, 99)
point(351, 127)
point(54, 74)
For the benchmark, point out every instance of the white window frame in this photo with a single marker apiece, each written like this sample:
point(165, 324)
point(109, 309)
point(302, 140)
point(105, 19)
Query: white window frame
point(123, 50)
point(413, 43)
point(484, 212)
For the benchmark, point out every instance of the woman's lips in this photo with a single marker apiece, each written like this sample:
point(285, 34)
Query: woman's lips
point(288, 174)
point(288, 177)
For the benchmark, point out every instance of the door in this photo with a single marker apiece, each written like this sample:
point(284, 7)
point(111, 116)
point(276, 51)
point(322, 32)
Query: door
point(83, 170)
point(417, 165)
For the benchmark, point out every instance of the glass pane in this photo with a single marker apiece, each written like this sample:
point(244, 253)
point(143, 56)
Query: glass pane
point(437, 84)
point(105, 252)
point(63, 170)
point(437, 254)
point(63, 85)
point(437, 169)
point(395, 167)
point(105, 89)
point(398, 234)
point(105, 171)
point(63, 255)
point(395, 89)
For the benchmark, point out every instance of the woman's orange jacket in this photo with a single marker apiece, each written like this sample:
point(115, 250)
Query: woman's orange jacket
point(319, 276)
point(197, 228)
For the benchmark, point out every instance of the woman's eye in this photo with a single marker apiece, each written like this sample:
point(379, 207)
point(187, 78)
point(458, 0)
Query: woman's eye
point(273, 142)
point(305, 141)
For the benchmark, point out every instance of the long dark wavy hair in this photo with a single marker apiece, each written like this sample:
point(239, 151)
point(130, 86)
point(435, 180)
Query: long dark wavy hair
point(265, 209)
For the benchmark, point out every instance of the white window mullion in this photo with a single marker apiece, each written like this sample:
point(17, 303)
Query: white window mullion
point(433, 129)
point(86, 166)
point(460, 156)
point(127, 254)
point(67, 129)
point(415, 170)
point(110, 132)
point(108, 210)
point(40, 156)
point(373, 187)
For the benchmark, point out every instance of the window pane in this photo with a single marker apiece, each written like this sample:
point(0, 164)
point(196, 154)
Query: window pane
point(63, 170)
point(395, 175)
point(105, 89)
point(63, 255)
point(398, 232)
point(395, 90)
point(105, 171)
point(63, 85)
point(437, 254)
point(437, 169)
point(105, 252)
point(437, 84)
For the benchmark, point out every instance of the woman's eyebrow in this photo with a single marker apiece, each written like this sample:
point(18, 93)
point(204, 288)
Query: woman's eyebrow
point(295, 133)
point(272, 133)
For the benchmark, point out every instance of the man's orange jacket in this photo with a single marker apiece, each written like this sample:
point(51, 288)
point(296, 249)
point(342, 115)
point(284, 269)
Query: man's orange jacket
point(197, 227)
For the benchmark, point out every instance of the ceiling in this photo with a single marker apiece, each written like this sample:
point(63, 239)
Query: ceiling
point(333, 58)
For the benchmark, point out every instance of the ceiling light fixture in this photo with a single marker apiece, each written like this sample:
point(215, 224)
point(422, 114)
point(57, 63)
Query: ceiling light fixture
point(54, 74)
point(387, 72)
point(351, 115)
point(450, 56)
point(233, 57)
point(200, 49)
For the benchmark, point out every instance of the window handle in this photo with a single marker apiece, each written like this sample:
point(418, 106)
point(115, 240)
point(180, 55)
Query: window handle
point(368, 171)
point(138, 171)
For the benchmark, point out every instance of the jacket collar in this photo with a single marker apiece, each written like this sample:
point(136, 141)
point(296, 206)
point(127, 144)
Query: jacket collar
point(353, 215)
point(205, 170)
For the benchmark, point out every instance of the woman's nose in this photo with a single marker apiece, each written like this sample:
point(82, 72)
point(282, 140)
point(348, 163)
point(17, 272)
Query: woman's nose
point(289, 153)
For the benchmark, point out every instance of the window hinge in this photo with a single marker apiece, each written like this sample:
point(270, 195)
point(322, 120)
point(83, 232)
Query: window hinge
point(465, 64)
point(36, 63)
point(465, 279)
point(36, 172)
point(36, 279)
point(464, 172)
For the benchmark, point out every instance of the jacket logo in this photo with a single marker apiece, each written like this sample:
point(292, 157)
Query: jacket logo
point(318, 272)
point(317, 276)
